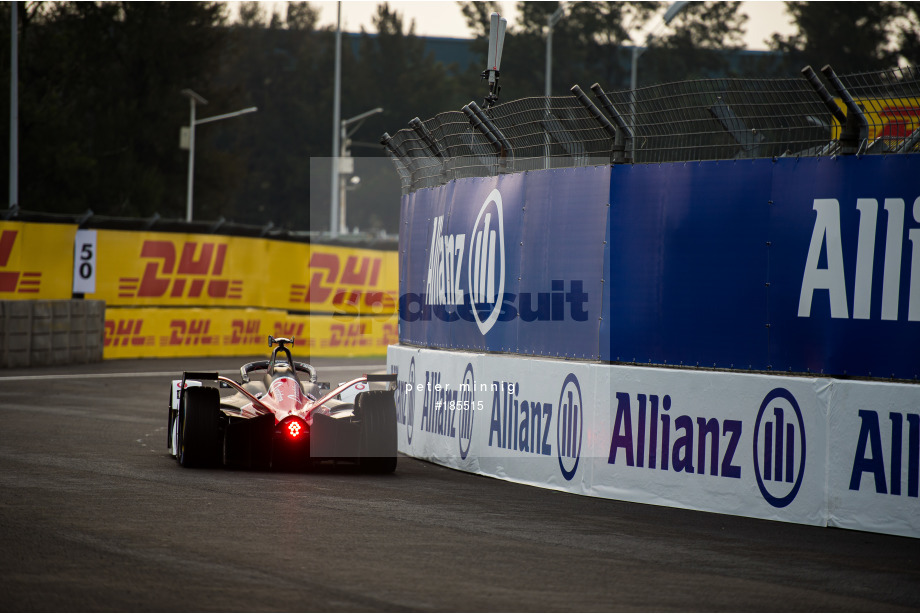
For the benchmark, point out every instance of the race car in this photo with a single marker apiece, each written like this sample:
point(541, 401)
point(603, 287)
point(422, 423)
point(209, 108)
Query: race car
point(282, 420)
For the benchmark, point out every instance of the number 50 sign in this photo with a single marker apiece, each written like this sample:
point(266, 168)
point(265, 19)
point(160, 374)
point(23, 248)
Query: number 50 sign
point(84, 262)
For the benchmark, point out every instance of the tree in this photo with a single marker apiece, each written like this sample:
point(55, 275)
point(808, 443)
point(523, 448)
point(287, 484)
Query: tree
point(850, 36)
point(100, 105)
point(593, 43)
point(479, 16)
point(909, 34)
point(699, 45)
point(415, 85)
point(587, 43)
point(284, 69)
point(301, 16)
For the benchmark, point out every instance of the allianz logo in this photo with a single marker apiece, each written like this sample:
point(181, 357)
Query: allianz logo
point(485, 273)
point(830, 280)
point(478, 291)
point(648, 435)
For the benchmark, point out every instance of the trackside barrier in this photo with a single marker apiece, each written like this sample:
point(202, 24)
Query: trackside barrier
point(170, 294)
point(159, 332)
point(41, 333)
point(807, 450)
point(36, 261)
point(750, 226)
point(180, 270)
point(807, 265)
point(685, 121)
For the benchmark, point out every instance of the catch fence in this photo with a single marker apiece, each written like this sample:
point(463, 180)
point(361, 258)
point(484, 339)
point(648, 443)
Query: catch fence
point(714, 119)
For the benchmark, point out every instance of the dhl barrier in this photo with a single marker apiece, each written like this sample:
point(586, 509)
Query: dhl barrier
point(172, 294)
point(165, 269)
point(35, 260)
point(892, 119)
point(147, 332)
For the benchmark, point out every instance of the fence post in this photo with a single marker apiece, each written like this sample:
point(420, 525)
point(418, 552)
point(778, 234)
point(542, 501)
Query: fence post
point(616, 155)
point(624, 132)
point(422, 132)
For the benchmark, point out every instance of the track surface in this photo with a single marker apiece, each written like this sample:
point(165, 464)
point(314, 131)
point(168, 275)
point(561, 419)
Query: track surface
point(95, 516)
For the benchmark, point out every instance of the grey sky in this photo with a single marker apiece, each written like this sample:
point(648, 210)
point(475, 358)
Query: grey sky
point(443, 17)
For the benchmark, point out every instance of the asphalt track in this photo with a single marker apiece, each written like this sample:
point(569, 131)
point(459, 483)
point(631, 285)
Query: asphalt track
point(94, 516)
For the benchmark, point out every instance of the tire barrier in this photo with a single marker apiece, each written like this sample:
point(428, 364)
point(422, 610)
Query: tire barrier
point(42, 333)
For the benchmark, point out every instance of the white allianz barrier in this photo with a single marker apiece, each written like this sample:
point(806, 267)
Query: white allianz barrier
point(813, 451)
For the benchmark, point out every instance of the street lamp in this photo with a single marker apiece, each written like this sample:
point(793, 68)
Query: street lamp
point(334, 190)
point(14, 106)
point(551, 22)
point(347, 168)
point(667, 18)
point(192, 122)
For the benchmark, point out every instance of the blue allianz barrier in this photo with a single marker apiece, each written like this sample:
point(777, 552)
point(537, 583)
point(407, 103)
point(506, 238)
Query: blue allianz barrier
point(807, 265)
point(803, 265)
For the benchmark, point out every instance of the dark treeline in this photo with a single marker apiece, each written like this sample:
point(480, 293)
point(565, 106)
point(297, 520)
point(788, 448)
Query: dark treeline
point(100, 106)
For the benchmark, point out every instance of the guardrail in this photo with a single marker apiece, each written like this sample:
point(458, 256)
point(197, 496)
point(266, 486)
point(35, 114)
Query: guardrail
point(714, 119)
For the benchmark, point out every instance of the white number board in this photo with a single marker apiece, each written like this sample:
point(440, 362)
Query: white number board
point(84, 262)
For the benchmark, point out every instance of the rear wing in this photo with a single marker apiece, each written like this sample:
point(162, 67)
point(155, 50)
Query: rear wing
point(384, 378)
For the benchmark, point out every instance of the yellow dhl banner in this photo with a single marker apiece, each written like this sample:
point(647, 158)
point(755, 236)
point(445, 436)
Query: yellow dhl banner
point(36, 260)
point(892, 119)
point(173, 332)
point(166, 269)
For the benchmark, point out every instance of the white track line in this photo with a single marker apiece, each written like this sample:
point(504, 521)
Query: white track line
point(174, 374)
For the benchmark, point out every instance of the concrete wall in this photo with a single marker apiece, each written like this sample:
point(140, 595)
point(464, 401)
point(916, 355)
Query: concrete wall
point(41, 333)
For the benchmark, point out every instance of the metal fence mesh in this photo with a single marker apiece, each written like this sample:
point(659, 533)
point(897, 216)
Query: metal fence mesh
point(890, 102)
point(724, 119)
point(716, 119)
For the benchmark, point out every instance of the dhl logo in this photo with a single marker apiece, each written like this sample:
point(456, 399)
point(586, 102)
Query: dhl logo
point(120, 333)
point(190, 332)
point(360, 334)
point(19, 282)
point(289, 330)
point(189, 279)
point(889, 119)
point(244, 332)
point(348, 287)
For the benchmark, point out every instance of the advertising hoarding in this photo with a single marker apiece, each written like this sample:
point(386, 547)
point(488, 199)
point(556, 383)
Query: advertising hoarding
point(512, 263)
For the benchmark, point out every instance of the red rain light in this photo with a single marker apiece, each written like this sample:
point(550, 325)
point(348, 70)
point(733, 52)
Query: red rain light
point(294, 429)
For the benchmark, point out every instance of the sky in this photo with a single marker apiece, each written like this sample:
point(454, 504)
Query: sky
point(443, 17)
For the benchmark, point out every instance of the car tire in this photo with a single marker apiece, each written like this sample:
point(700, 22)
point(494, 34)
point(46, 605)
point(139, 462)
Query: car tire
point(200, 442)
point(169, 423)
point(377, 412)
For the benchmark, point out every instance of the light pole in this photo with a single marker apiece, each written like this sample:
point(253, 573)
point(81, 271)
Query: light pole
point(551, 22)
point(343, 155)
point(14, 105)
point(336, 117)
point(192, 122)
point(667, 18)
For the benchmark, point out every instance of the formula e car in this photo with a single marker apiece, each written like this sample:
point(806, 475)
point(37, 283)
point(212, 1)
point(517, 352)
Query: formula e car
point(283, 420)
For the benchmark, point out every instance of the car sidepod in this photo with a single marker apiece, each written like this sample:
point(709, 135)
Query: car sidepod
point(376, 412)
